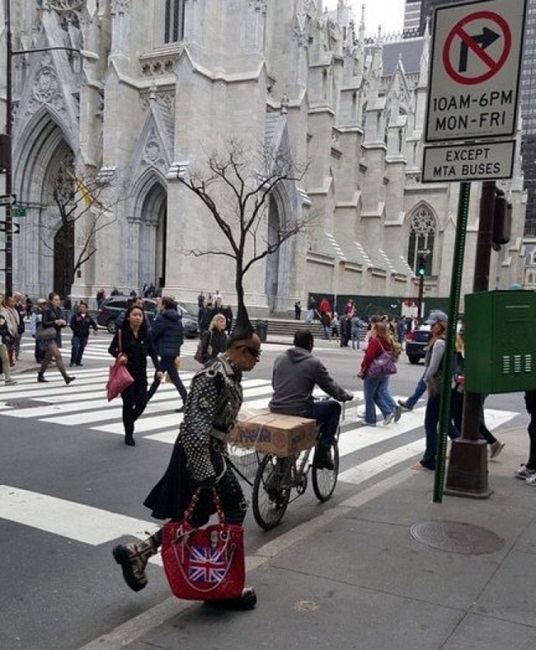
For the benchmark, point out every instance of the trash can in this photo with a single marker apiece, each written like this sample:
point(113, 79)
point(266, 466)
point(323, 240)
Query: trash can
point(261, 327)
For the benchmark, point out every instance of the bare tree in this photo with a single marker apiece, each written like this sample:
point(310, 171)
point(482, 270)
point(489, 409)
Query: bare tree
point(236, 185)
point(82, 216)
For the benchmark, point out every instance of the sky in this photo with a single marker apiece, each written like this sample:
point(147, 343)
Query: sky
point(387, 13)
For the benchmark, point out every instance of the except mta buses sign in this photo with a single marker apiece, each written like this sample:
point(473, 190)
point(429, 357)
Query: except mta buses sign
point(475, 69)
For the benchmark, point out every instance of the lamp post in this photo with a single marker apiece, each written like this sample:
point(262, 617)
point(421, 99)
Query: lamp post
point(6, 154)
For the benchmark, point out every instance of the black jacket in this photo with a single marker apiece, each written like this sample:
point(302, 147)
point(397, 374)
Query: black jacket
point(80, 325)
point(212, 343)
point(50, 315)
point(137, 351)
point(167, 333)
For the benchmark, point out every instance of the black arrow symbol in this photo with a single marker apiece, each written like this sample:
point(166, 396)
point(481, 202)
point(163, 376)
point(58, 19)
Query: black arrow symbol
point(487, 38)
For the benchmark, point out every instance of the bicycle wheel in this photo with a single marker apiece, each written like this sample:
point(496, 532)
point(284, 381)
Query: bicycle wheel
point(271, 491)
point(325, 480)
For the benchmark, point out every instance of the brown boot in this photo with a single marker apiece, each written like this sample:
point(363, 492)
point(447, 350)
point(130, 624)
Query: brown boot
point(133, 559)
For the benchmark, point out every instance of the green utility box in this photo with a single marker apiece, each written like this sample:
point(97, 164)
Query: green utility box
point(500, 345)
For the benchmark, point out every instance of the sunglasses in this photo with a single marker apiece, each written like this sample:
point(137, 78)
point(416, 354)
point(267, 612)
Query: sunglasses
point(256, 354)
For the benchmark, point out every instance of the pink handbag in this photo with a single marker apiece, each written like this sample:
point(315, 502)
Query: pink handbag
point(119, 377)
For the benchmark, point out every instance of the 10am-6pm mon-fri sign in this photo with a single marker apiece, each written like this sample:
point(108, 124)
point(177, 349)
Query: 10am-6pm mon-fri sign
point(475, 69)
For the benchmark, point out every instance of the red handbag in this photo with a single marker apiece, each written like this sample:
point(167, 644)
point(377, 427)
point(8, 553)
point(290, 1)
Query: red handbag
point(119, 377)
point(204, 563)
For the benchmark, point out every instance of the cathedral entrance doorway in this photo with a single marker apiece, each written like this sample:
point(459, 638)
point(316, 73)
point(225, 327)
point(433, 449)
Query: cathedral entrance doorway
point(153, 238)
point(272, 261)
point(64, 259)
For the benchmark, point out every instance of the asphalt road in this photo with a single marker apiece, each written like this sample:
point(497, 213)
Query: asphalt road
point(70, 489)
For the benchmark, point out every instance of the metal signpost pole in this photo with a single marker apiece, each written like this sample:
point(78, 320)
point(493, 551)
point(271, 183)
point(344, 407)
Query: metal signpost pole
point(455, 290)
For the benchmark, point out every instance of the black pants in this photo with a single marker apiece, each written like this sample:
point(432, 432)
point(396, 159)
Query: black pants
point(134, 401)
point(532, 435)
point(457, 413)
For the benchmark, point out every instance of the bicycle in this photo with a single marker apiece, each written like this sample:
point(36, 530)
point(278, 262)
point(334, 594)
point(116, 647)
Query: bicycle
point(277, 476)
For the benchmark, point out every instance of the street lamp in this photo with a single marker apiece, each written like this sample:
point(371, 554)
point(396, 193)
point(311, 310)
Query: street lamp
point(5, 146)
point(6, 141)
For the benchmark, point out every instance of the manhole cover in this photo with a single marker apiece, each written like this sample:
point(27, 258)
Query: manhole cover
point(27, 403)
point(456, 537)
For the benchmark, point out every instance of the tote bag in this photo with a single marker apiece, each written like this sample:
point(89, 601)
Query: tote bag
point(204, 563)
point(119, 377)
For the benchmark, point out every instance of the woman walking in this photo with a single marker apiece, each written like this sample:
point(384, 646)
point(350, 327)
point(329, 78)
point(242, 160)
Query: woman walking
point(49, 335)
point(433, 378)
point(131, 345)
point(214, 341)
point(376, 387)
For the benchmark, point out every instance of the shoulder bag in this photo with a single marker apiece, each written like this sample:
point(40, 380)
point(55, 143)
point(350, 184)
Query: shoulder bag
point(119, 377)
point(383, 364)
point(45, 333)
point(204, 563)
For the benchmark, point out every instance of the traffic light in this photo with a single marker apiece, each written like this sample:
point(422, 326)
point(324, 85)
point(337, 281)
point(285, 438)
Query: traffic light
point(502, 220)
point(421, 266)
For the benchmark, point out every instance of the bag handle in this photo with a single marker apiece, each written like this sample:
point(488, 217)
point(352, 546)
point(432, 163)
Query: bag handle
point(215, 499)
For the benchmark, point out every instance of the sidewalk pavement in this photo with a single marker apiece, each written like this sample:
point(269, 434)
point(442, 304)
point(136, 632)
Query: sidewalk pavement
point(355, 578)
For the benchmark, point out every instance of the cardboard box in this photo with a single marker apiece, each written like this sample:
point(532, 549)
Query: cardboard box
point(273, 433)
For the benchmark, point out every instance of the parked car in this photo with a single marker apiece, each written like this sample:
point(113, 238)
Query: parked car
point(113, 306)
point(416, 342)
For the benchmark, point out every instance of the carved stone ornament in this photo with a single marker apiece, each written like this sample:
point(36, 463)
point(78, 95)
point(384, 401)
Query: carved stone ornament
point(260, 5)
point(120, 7)
point(46, 89)
point(67, 5)
point(152, 151)
point(156, 67)
point(423, 222)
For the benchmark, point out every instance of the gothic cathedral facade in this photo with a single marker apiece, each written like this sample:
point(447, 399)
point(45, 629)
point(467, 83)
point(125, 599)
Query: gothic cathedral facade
point(135, 92)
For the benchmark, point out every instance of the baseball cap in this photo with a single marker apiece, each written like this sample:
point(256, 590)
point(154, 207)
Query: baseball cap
point(437, 317)
point(41, 301)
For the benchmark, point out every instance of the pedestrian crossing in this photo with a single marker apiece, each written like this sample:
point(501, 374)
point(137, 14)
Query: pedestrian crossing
point(84, 403)
point(365, 452)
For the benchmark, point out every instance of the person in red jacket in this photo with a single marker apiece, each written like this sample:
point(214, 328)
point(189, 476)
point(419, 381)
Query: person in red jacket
point(377, 386)
point(324, 307)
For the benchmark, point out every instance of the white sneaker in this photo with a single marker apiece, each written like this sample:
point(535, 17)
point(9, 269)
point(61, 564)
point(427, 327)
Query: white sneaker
point(389, 418)
point(10, 382)
point(495, 449)
point(523, 473)
point(531, 480)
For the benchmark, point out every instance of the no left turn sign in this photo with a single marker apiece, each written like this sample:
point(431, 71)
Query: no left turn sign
point(474, 70)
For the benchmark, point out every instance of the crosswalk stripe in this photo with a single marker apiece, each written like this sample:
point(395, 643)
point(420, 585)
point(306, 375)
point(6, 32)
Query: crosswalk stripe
point(66, 518)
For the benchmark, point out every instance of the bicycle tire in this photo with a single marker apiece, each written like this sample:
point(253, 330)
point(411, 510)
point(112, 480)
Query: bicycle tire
point(269, 499)
point(325, 480)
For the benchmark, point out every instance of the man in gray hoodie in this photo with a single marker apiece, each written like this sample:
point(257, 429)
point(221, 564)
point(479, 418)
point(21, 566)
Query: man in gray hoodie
point(296, 372)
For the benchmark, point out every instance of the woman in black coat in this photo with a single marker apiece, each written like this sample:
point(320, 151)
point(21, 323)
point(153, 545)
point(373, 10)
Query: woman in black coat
point(214, 340)
point(131, 345)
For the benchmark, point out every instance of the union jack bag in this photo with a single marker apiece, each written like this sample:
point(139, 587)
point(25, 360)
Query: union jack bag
point(204, 563)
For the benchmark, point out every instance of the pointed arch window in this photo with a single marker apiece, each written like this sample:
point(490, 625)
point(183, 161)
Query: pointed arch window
point(173, 21)
point(422, 238)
